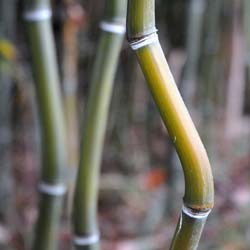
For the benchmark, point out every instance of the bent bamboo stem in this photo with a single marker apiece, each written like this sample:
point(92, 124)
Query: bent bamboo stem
point(86, 192)
point(37, 16)
point(199, 190)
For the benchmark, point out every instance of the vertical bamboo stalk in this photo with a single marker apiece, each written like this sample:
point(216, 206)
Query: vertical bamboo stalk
point(37, 16)
point(246, 21)
point(86, 192)
point(70, 82)
point(199, 190)
point(189, 75)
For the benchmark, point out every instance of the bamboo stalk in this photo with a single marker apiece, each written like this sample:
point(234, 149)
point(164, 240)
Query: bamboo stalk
point(70, 82)
point(199, 190)
point(246, 21)
point(194, 35)
point(37, 16)
point(86, 192)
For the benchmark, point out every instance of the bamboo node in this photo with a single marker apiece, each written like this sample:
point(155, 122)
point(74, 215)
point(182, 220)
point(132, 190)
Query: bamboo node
point(37, 15)
point(52, 189)
point(113, 27)
point(144, 41)
point(86, 240)
point(196, 214)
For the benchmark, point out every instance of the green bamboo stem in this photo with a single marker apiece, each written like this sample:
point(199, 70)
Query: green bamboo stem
point(37, 16)
point(199, 190)
point(86, 192)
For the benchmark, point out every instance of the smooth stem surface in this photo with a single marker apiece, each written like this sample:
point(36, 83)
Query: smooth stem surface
point(140, 19)
point(45, 70)
point(199, 189)
point(197, 171)
point(86, 193)
point(188, 233)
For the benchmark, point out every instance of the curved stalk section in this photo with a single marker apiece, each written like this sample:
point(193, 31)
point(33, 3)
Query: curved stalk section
point(86, 192)
point(37, 16)
point(199, 188)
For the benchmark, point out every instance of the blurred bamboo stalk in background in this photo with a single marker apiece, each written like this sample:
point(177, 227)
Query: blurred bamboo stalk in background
point(199, 189)
point(7, 56)
point(52, 188)
point(74, 15)
point(246, 23)
point(86, 192)
point(210, 63)
point(193, 44)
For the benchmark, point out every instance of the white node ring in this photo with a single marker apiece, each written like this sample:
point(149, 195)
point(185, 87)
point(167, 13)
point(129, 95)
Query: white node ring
point(37, 15)
point(112, 27)
point(86, 240)
point(153, 38)
point(54, 190)
point(192, 214)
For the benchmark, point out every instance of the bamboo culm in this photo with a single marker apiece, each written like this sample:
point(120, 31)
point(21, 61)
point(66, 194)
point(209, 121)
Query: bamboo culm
point(37, 16)
point(86, 192)
point(199, 190)
point(194, 35)
point(70, 85)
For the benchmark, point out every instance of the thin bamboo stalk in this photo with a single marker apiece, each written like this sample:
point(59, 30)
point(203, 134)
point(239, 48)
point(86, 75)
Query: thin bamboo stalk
point(199, 189)
point(246, 22)
point(70, 82)
point(37, 16)
point(86, 192)
point(194, 35)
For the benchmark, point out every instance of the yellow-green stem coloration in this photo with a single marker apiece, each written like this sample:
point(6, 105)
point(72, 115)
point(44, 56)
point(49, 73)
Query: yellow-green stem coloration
point(199, 188)
point(37, 19)
point(86, 192)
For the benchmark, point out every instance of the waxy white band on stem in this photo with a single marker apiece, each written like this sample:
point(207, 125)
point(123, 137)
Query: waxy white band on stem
point(112, 27)
point(153, 38)
point(196, 215)
point(37, 15)
point(86, 240)
point(54, 190)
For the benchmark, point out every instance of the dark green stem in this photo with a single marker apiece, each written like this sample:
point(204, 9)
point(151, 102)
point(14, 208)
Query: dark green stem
point(41, 44)
point(86, 193)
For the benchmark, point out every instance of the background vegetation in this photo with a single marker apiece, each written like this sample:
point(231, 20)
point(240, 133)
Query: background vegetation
point(141, 188)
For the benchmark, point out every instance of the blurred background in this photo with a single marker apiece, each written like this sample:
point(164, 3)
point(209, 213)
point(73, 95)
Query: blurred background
point(207, 44)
